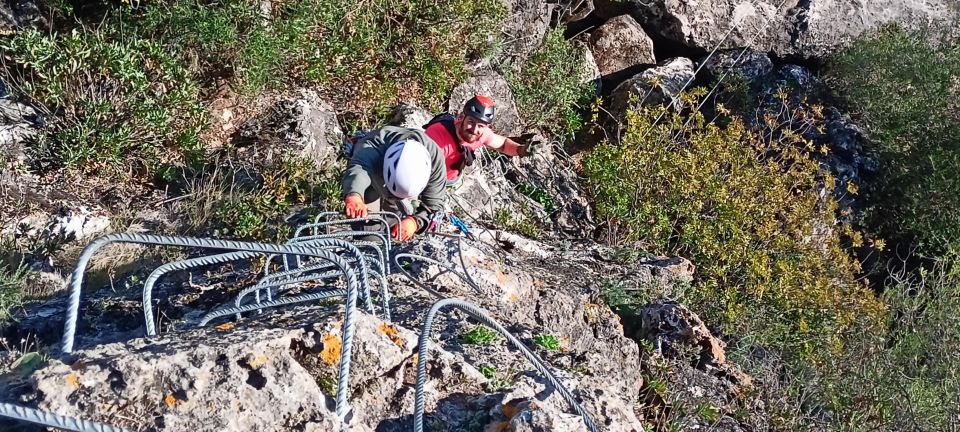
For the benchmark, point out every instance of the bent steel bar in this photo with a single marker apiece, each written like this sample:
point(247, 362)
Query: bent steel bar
point(379, 220)
point(181, 265)
point(76, 285)
point(45, 418)
point(328, 224)
point(484, 317)
point(271, 284)
point(324, 216)
point(330, 242)
point(274, 303)
point(341, 234)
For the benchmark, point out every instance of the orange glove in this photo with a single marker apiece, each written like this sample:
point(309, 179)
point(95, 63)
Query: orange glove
point(354, 206)
point(404, 230)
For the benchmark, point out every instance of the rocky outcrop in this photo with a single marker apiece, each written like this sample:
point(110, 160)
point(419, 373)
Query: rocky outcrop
point(804, 28)
point(525, 27)
point(568, 11)
point(620, 44)
point(409, 116)
point(16, 14)
point(304, 125)
point(748, 64)
point(221, 377)
point(659, 85)
point(491, 84)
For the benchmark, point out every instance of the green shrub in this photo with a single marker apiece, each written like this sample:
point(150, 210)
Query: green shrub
point(479, 335)
point(117, 103)
point(546, 341)
point(906, 89)
point(12, 284)
point(912, 377)
point(549, 87)
point(220, 207)
point(747, 209)
point(367, 57)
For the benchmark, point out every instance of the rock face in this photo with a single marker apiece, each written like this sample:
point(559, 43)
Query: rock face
point(619, 44)
point(749, 64)
point(491, 84)
point(661, 84)
point(16, 14)
point(808, 28)
point(526, 24)
point(17, 125)
point(409, 116)
point(572, 10)
point(692, 365)
point(221, 377)
point(590, 73)
point(304, 125)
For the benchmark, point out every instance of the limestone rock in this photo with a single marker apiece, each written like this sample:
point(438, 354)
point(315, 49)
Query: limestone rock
point(304, 125)
point(409, 116)
point(619, 44)
point(658, 85)
point(525, 27)
point(809, 29)
point(491, 84)
point(749, 64)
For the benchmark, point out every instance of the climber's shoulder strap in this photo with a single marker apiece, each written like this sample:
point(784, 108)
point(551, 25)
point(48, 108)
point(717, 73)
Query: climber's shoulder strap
point(449, 123)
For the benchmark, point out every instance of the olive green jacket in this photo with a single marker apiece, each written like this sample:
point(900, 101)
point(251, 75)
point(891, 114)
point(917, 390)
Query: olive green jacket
point(365, 170)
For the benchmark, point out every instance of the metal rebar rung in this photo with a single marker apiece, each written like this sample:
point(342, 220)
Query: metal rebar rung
point(35, 416)
point(484, 317)
point(349, 324)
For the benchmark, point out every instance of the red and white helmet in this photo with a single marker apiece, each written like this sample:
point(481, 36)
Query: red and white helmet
point(406, 168)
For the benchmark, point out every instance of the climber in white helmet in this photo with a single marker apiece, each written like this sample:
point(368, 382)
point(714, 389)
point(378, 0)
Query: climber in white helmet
point(389, 168)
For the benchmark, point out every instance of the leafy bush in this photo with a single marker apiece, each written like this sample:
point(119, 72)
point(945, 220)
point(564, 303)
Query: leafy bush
point(546, 341)
point(117, 103)
point(549, 87)
point(912, 378)
point(368, 57)
point(905, 86)
point(746, 208)
point(12, 281)
point(219, 206)
point(479, 335)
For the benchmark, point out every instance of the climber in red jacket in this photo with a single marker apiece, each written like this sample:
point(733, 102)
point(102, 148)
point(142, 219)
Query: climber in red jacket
point(458, 137)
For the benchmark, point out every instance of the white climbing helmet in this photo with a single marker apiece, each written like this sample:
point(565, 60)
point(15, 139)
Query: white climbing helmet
point(406, 168)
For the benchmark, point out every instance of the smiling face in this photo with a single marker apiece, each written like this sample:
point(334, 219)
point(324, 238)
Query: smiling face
point(470, 129)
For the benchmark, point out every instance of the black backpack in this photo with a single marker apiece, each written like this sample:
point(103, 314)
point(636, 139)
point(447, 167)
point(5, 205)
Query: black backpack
point(448, 120)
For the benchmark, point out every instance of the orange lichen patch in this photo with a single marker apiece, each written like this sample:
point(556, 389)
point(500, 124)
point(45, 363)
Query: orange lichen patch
point(415, 358)
point(170, 400)
point(502, 278)
point(256, 362)
point(538, 283)
point(331, 349)
point(225, 326)
point(564, 343)
point(513, 297)
point(393, 334)
point(73, 380)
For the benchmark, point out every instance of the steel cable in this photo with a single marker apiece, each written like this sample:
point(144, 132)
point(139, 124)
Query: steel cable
point(412, 257)
point(484, 317)
point(45, 418)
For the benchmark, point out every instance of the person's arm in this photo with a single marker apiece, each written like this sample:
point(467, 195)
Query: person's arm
point(356, 178)
point(504, 145)
point(434, 195)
